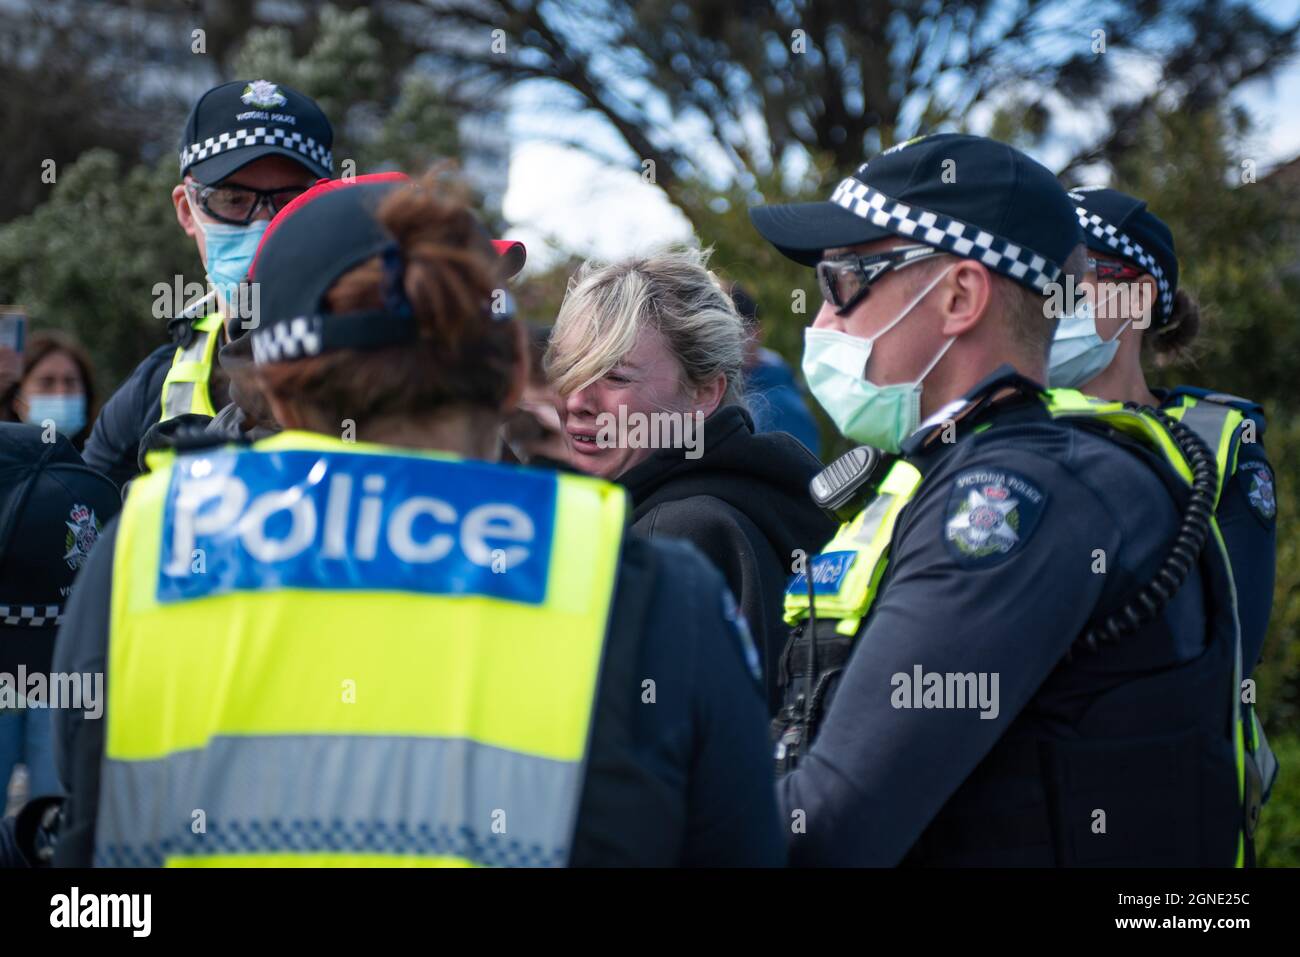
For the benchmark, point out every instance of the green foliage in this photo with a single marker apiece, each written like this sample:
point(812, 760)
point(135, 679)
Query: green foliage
point(87, 260)
point(380, 119)
point(1231, 245)
point(1277, 842)
point(786, 292)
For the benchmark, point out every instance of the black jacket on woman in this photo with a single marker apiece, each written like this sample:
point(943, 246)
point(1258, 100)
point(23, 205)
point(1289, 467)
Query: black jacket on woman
point(744, 503)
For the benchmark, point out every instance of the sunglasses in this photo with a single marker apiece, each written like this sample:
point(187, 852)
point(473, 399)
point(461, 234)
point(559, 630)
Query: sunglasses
point(845, 281)
point(1107, 269)
point(237, 205)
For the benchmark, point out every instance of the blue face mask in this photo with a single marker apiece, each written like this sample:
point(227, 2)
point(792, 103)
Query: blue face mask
point(1078, 353)
point(835, 363)
point(67, 412)
point(230, 253)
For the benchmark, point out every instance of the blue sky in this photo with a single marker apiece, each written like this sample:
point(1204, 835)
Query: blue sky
point(562, 196)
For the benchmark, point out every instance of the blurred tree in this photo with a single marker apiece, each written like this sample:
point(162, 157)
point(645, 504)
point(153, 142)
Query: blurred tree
point(761, 87)
point(1231, 231)
point(87, 260)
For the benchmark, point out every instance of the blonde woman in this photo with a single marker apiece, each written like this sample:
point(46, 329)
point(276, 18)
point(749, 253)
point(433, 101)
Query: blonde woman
point(647, 356)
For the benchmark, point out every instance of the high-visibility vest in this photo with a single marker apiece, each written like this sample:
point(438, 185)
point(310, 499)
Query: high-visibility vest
point(1216, 425)
point(331, 653)
point(187, 387)
point(846, 577)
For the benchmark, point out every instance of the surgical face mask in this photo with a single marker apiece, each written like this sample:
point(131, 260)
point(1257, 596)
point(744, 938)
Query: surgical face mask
point(1078, 353)
point(835, 363)
point(67, 412)
point(230, 252)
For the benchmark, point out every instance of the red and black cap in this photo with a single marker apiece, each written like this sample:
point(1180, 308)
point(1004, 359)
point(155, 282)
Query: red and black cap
point(967, 195)
point(238, 122)
point(315, 239)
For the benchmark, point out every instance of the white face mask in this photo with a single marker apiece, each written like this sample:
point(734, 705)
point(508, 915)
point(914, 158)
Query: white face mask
point(1079, 354)
point(835, 363)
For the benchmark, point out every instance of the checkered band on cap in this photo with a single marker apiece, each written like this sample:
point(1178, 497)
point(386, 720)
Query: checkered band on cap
point(293, 339)
point(952, 235)
point(32, 616)
point(1126, 247)
point(252, 136)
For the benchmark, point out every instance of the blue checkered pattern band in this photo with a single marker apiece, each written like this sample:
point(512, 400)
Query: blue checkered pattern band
point(944, 232)
point(294, 836)
point(31, 616)
point(252, 136)
point(1124, 246)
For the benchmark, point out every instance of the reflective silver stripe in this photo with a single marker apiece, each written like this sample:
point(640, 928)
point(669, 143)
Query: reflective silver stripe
point(194, 351)
point(1206, 419)
point(178, 399)
point(359, 794)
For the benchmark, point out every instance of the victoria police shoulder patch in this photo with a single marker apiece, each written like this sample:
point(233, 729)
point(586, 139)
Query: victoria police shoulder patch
point(990, 513)
point(1261, 492)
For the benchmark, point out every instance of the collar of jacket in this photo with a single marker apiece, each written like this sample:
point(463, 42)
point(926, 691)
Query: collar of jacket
point(997, 394)
point(662, 464)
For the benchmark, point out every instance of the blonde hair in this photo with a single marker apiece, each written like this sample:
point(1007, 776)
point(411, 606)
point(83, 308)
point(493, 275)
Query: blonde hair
point(673, 292)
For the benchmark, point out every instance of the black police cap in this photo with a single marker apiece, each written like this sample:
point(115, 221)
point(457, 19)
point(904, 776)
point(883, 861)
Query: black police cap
point(238, 122)
point(1119, 225)
point(968, 195)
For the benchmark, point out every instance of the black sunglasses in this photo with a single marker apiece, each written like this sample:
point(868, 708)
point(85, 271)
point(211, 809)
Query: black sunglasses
point(237, 205)
point(845, 281)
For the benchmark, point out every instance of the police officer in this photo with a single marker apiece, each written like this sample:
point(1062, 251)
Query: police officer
point(248, 148)
point(52, 509)
point(1013, 660)
point(1139, 312)
point(360, 642)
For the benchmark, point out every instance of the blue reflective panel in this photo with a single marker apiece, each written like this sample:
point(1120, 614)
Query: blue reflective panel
point(252, 520)
point(828, 571)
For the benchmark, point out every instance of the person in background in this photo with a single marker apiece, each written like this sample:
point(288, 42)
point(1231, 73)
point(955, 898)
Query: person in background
point(775, 401)
point(52, 508)
point(248, 148)
point(1138, 317)
point(57, 384)
point(657, 334)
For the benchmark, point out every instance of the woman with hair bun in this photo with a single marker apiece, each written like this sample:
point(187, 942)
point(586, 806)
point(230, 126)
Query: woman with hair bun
point(1139, 316)
point(364, 642)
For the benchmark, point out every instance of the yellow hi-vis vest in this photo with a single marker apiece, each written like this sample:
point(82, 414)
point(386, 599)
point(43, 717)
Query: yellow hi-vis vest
point(186, 387)
point(330, 653)
point(848, 571)
point(1216, 425)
